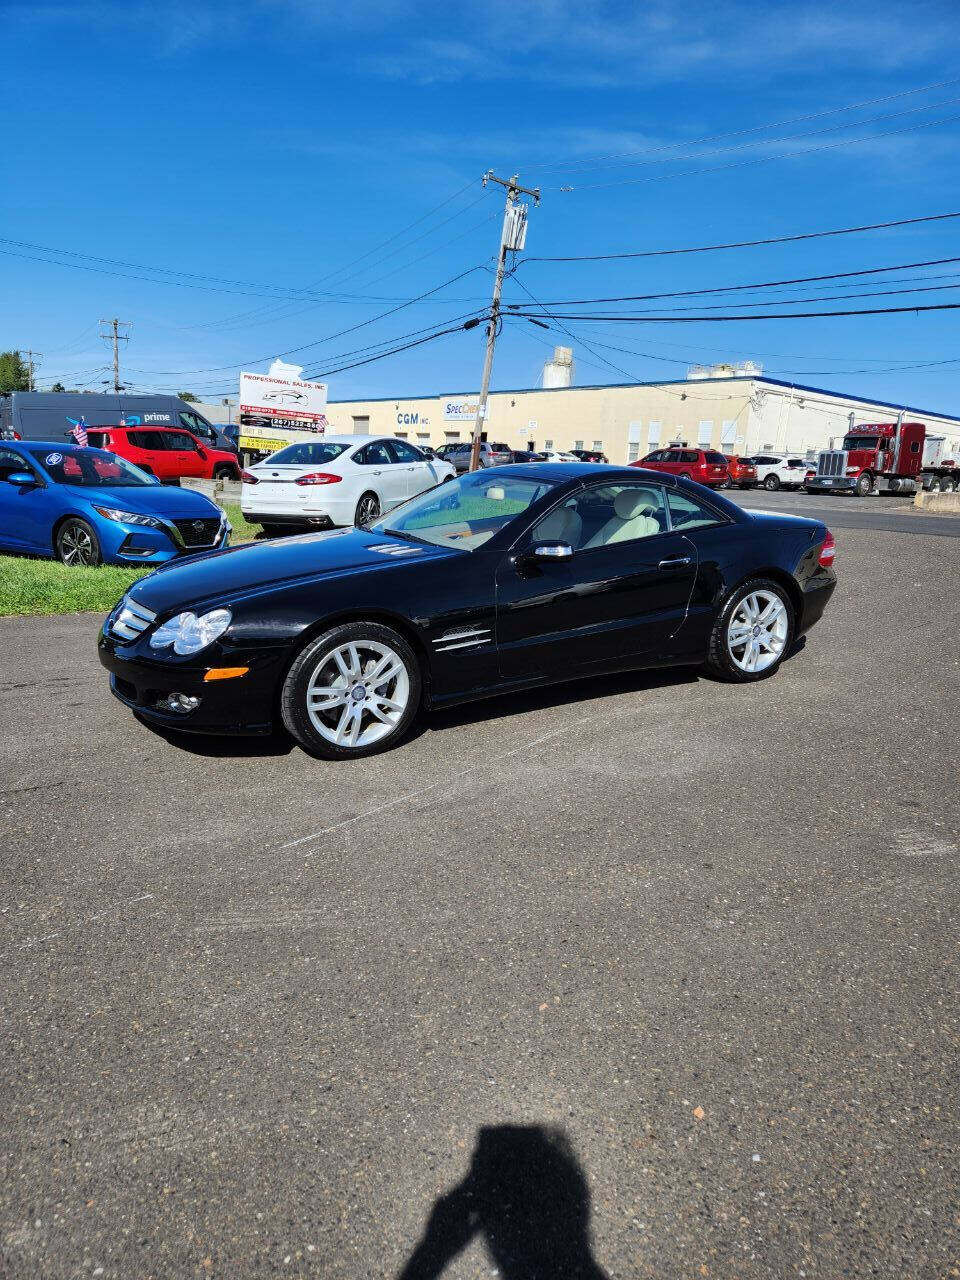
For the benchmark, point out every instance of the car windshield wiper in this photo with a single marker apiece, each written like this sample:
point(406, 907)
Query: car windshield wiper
point(408, 537)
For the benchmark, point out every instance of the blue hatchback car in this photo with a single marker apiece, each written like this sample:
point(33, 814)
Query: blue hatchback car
point(89, 507)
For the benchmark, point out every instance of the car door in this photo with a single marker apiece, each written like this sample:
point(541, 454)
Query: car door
point(622, 595)
point(380, 474)
point(25, 515)
point(184, 454)
point(415, 468)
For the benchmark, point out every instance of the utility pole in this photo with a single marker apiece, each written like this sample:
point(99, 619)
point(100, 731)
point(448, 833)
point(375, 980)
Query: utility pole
point(512, 238)
point(30, 356)
point(116, 337)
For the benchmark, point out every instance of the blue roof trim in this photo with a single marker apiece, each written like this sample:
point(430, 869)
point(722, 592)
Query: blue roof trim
point(660, 382)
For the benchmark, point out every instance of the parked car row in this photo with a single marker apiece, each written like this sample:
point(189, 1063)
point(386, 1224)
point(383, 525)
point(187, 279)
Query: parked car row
point(723, 471)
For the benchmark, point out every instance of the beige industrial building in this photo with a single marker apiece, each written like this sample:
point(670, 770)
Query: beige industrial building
point(734, 409)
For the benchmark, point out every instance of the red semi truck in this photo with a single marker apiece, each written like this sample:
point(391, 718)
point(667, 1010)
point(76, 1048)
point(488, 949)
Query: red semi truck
point(893, 457)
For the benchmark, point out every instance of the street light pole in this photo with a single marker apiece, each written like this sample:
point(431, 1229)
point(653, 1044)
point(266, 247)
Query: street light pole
point(512, 238)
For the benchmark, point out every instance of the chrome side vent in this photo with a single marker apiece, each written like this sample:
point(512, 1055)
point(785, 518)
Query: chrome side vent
point(132, 619)
point(462, 639)
point(391, 549)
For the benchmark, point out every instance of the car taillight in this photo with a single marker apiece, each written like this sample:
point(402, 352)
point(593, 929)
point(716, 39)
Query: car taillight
point(319, 477)
point(248, 477)
point(828, 551)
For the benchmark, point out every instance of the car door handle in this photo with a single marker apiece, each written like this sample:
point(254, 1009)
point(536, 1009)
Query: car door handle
point(673, 562)
point(377, 473)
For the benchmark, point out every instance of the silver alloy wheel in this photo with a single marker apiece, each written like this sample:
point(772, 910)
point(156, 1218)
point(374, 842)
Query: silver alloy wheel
point(76, 545)
point(368, 508)
point(757, 631)
point(358, 693)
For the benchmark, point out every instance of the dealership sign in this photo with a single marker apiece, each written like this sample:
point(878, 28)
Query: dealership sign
point(267, 396)
point(460, 410)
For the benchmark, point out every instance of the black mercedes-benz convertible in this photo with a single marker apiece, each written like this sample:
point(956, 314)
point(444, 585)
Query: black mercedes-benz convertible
point(501, 579)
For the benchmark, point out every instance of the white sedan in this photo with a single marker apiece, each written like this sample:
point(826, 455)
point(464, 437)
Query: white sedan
point(337, 480)
point(558, 455)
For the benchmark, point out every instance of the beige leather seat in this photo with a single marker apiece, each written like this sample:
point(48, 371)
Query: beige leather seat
point(562, 525)
point(632, 518)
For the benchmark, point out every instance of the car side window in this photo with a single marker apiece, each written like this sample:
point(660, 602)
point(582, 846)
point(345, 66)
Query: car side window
point(688, 513)
point(688, 455)
point(374, 455)
point(145, 439)
point(11, 462)
point(401, 451)
point(604, 515)
point(179, 441)
point(196, 424)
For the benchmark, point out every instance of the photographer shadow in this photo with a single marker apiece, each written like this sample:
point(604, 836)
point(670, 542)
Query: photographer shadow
point(527, 1196)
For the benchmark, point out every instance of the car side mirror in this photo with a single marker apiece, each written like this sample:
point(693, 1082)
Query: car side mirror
point(550, 551)
point(23, 479)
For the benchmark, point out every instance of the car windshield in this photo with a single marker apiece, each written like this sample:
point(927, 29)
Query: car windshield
point(89, 468)
point(307, 454)
point(466, 512)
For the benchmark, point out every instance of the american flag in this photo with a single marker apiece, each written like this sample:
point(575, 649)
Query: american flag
point(79, 434)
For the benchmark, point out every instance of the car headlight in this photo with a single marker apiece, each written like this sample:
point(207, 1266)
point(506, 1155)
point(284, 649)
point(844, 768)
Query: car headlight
point(189, 633)
point(129, 517)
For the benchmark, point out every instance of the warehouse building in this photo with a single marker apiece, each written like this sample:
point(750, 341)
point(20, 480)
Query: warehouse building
point(732, 408)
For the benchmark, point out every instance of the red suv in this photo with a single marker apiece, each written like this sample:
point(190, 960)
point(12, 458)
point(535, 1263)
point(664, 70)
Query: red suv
point(169, 453)
point(703, 465)
point(742, 471)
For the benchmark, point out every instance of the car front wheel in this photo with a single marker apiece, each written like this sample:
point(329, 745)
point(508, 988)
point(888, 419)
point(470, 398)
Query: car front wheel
point(77, 543)
point(753, 632)
point(352, 691)
point(772, 482)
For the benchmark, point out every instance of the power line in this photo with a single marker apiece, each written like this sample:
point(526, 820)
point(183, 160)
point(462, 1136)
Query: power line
point(740, 288)
point(797, 315)
point(749, 244)
point(242, 364)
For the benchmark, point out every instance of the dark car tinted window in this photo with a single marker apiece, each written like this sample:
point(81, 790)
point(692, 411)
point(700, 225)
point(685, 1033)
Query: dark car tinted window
point(715, 457)
point(178, 441)
point(403, 452)
point(374, 455)
point(11, 462)
point(688, 455)
point(308, 454)
point(144, 439)
point(687, 513)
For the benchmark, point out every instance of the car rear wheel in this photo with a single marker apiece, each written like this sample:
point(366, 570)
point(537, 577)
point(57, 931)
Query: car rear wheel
point(77, 543)
point(352, 691)
point(772, 482)
point(753, 632)
point(946, 484)
point(368, 510)
point(225, 472)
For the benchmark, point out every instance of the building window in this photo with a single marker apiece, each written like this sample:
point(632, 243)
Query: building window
point(452, 435)
point(728, 435)
point(548, 444)
point(578, 444)
point(653, 433)
point(361, 426)
point(424, 436)
point(598, 444)
point(633, 451)
point(705, 431)
point(401, 435)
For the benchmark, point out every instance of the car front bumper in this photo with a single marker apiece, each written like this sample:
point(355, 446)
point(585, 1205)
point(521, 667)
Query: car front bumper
point(140, 544)
point(243, 705)
point(830, 484)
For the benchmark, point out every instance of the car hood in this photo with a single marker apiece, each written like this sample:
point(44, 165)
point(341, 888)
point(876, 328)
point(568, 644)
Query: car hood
point(150, 500)
point(221, 576)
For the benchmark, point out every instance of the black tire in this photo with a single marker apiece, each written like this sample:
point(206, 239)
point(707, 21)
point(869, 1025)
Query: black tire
point(934, 485)
point(947, 484)
point(225, 472)
point(727, 484)
point(864, 484)
point(368, 510)
point(312, 662)
point(771, 482)
point(720, 662)
point(77, 544)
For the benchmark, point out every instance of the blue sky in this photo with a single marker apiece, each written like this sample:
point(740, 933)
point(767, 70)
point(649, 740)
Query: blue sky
point(283, 144)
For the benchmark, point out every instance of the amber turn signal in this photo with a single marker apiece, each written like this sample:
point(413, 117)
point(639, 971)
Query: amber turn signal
point(225, 673)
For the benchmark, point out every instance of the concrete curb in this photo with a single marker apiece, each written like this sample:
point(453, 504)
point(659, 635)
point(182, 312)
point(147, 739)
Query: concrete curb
point(941, 504)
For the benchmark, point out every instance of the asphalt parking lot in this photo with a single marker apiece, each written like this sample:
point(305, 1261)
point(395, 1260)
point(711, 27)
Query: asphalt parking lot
point(648, 976)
